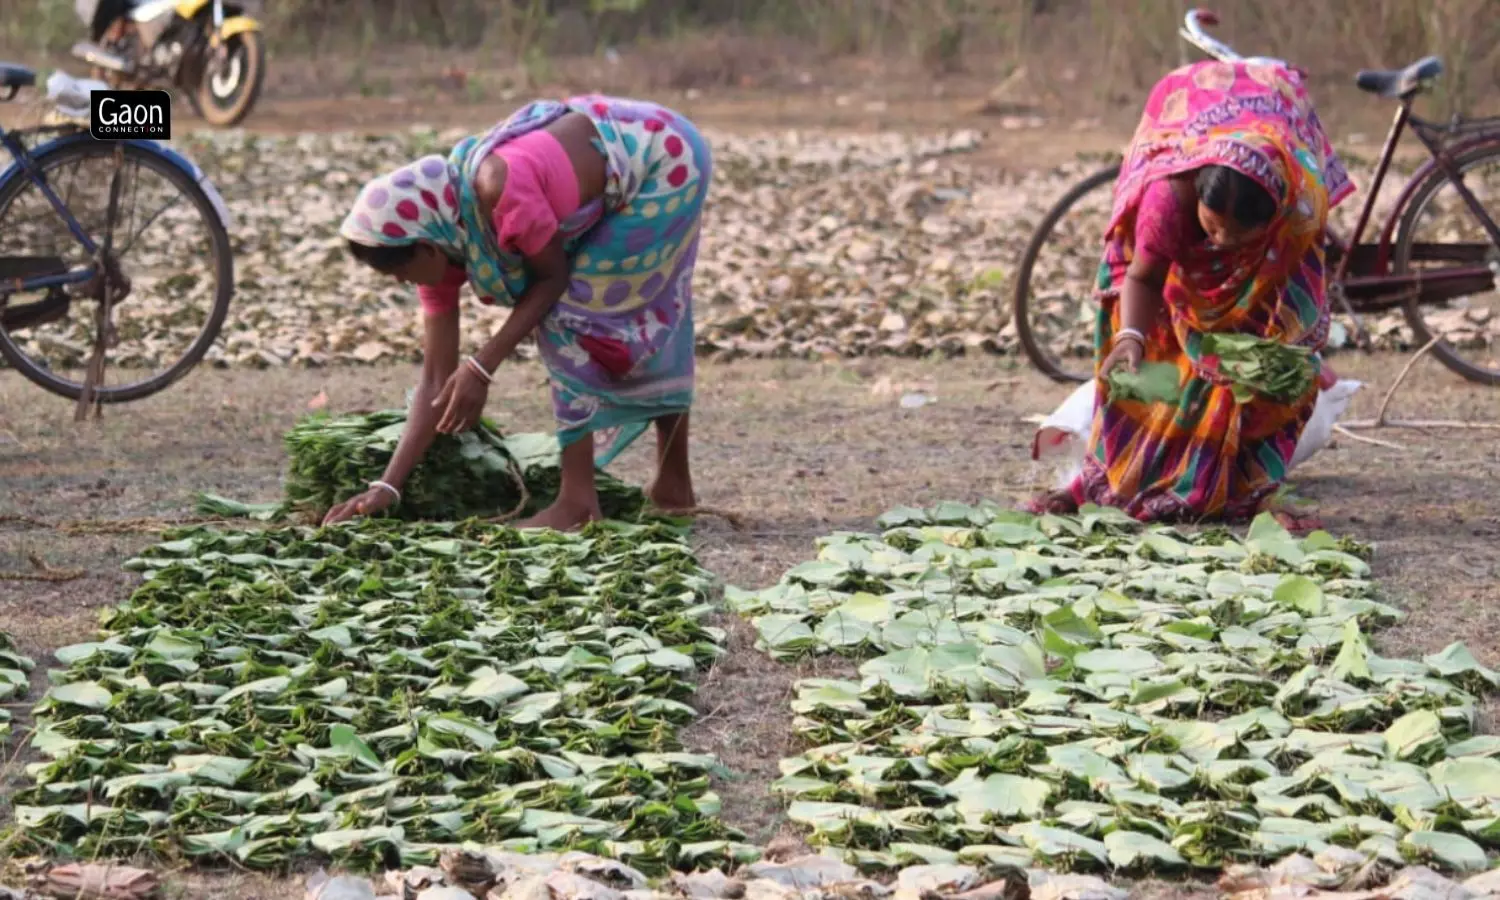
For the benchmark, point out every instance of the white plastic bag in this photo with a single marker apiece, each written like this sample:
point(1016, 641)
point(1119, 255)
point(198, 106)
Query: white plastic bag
point(71, 95)
point(1060, 438)
point(1326, 413)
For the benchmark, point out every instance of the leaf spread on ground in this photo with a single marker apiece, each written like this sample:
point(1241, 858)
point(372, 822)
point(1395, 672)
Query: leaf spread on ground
point(1085, 691)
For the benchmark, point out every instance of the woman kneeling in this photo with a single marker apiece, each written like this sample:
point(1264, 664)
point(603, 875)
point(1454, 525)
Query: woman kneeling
point(1217, 227)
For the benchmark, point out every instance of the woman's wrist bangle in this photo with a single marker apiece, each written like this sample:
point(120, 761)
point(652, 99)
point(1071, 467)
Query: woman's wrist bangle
point(1133, 334)
point(388, 487)
point(479, 370)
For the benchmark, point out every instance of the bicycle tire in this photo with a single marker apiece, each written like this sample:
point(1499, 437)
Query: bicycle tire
point(1401, 261)
point(1020, 303)
point(223, 271)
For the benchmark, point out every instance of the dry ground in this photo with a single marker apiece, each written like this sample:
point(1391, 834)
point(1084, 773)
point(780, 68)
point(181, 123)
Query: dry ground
point(800, 449)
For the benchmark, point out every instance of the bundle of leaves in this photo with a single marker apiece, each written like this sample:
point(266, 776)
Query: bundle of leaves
point(1087, 692)
point(14, 680)
point(477, 473)
point(373, 693)
point(1257, 366)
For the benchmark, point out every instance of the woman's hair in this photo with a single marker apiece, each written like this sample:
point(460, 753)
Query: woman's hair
point(1232, 193)
point(383, 257)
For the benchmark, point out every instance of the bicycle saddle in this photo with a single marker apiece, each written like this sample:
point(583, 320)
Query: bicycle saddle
point(1398, 84)
point(13, 76)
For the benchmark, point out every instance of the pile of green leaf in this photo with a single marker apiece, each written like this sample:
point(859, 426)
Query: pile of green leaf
point(370, 693)
point(14, 680)
point(471, 474)
point(1253, 365)
point(1086, 692)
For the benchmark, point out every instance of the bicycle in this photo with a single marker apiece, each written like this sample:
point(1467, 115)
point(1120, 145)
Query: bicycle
point(1364, 277)
point(83, 264)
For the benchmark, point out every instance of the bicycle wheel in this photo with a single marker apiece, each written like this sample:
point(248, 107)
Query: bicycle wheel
point(1053, 303)
point(168, 241)
point(1468, 326)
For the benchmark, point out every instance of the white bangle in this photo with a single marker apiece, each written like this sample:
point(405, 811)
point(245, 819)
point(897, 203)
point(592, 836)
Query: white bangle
point(386, 486)
point(473, 363)
point(1133, 333)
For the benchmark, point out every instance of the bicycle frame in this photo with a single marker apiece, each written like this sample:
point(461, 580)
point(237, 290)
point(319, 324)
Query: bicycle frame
point(31, 171)
point(1363, 271)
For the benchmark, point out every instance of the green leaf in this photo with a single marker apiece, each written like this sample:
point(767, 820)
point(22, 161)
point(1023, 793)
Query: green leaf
point(1300, 593)
point(1132, 663)
point(1455, 661)
point(85, 694)
point(1468, 780)
point(1452, 852)
point(1057, 843)
point(1004, 797)
point(493, 688)
point(1134, 850)
point(1417, 735)
point(1353, 662)
point(346, 739)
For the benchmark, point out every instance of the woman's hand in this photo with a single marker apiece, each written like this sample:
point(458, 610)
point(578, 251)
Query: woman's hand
point(369, 503)
point(461, 400)
point(1126, 354)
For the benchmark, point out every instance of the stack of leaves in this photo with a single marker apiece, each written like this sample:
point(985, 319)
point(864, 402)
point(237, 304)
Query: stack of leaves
point(14, 680)
point(1256, 366)
point(371, 693)
point(477, 473)
point(1085, 692)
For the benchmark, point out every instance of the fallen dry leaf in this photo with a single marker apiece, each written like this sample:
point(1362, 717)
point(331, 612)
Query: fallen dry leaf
point(814, 246)
point(101, 881)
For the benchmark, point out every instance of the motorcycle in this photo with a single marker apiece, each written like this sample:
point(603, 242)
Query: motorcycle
point(210, 50)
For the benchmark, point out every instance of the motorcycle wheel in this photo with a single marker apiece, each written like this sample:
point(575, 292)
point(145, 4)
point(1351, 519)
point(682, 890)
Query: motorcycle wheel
point(225, 97)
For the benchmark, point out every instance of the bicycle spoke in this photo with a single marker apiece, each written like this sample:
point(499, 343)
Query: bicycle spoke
point(160, 307)
point(171, 204)
point(1441, 233)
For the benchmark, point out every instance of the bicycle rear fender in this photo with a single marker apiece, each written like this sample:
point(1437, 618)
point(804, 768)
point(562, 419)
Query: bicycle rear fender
point(1424, 171)
point(155, 147)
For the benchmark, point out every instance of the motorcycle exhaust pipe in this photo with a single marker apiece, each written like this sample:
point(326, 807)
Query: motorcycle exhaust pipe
point(95, 55)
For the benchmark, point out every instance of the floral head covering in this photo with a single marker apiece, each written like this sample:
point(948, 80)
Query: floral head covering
point(417, 202)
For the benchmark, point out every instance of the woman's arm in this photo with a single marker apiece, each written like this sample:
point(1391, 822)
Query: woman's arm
point(1164, 224)
point(439, 360)
point(1141, 294)
point(459, 403)
point(548, 271)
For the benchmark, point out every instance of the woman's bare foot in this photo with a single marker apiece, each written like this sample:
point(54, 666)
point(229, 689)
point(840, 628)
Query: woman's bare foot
point(564, 515)
point(672, 490)
point(1057, 503)
point(577, 502)
point(671, 494)
point(1297, 523)
point(1296, 516)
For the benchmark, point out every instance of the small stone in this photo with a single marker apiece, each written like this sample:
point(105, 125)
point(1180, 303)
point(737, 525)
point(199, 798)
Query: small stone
point(916, 882)
point(566, 885)
point(445, 892)
point(1051, 886)
point(605, 871)
point(803, 873)
point(710, 885)
point(529, 887)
